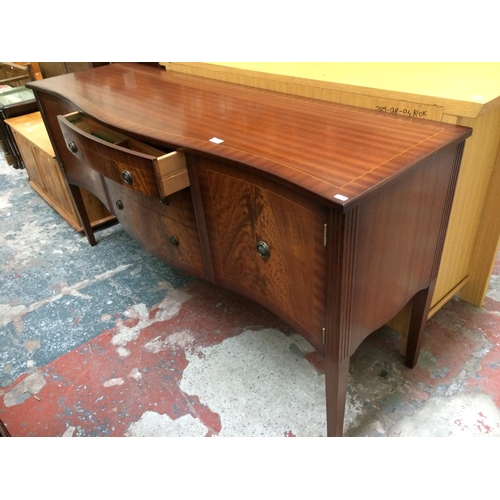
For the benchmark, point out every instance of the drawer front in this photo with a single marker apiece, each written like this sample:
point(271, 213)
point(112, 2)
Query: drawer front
point(267, 243)
point(176, 243)
point(178, 206)
point(131, 163)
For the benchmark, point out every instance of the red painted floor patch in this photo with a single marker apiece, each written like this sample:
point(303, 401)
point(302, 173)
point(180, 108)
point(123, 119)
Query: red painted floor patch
point(103, 386)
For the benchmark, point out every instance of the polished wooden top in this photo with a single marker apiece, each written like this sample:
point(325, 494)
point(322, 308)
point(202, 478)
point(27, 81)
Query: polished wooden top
point(337, 152)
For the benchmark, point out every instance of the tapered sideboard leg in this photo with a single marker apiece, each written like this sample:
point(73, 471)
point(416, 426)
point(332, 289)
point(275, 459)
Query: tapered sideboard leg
point(418, 319)
point(82, 212)
point(336, 373)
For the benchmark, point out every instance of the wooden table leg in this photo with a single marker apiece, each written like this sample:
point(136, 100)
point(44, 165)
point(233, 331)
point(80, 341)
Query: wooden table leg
point(418, 318)
point(82, 212)
point(336, 390)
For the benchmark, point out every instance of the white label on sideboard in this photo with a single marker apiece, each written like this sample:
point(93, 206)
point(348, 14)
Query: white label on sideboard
point(341, 197)
point(216, 140)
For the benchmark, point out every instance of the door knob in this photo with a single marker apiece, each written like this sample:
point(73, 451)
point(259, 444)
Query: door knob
point(263, 249)
point(127, 177)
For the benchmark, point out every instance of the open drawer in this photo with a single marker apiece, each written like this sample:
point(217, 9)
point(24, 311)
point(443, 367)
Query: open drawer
point(125, 160)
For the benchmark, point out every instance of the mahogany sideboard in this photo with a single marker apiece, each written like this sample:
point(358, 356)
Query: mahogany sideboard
point(332, 217)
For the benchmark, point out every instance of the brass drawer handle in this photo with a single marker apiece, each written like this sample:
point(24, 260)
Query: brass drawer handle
point(73, 147)
point(127, 177)
point(263, 250)
point(174, 241)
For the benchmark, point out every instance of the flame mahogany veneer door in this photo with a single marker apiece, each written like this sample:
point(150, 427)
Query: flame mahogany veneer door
point(243, 210)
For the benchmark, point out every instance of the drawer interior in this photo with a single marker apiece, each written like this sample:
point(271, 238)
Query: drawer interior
point(169, 165)
point(104, 133)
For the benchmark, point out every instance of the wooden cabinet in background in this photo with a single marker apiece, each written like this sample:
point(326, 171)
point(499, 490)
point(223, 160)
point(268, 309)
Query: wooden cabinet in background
point(50, 69)
point(45, 175)
point(16, 74)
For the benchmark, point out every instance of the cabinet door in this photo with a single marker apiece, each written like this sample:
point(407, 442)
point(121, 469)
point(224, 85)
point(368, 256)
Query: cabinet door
point(55, 186)
point(26, 150)
point(267, 244)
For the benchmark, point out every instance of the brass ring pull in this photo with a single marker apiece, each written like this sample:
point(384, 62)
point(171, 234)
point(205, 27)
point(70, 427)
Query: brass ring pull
point(73, 147)
point(263, 250)
point(174, 241)
point(127, 177)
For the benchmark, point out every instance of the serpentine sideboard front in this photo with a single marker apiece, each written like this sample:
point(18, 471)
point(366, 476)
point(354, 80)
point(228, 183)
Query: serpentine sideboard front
point(332, 217)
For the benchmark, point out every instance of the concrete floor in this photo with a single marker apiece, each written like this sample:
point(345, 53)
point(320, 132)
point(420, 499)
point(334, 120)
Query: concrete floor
point(108, 341)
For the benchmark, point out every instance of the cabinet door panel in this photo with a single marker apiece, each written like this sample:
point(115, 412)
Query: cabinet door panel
point(26, 150)
point(244, 212)
point(54, 180)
